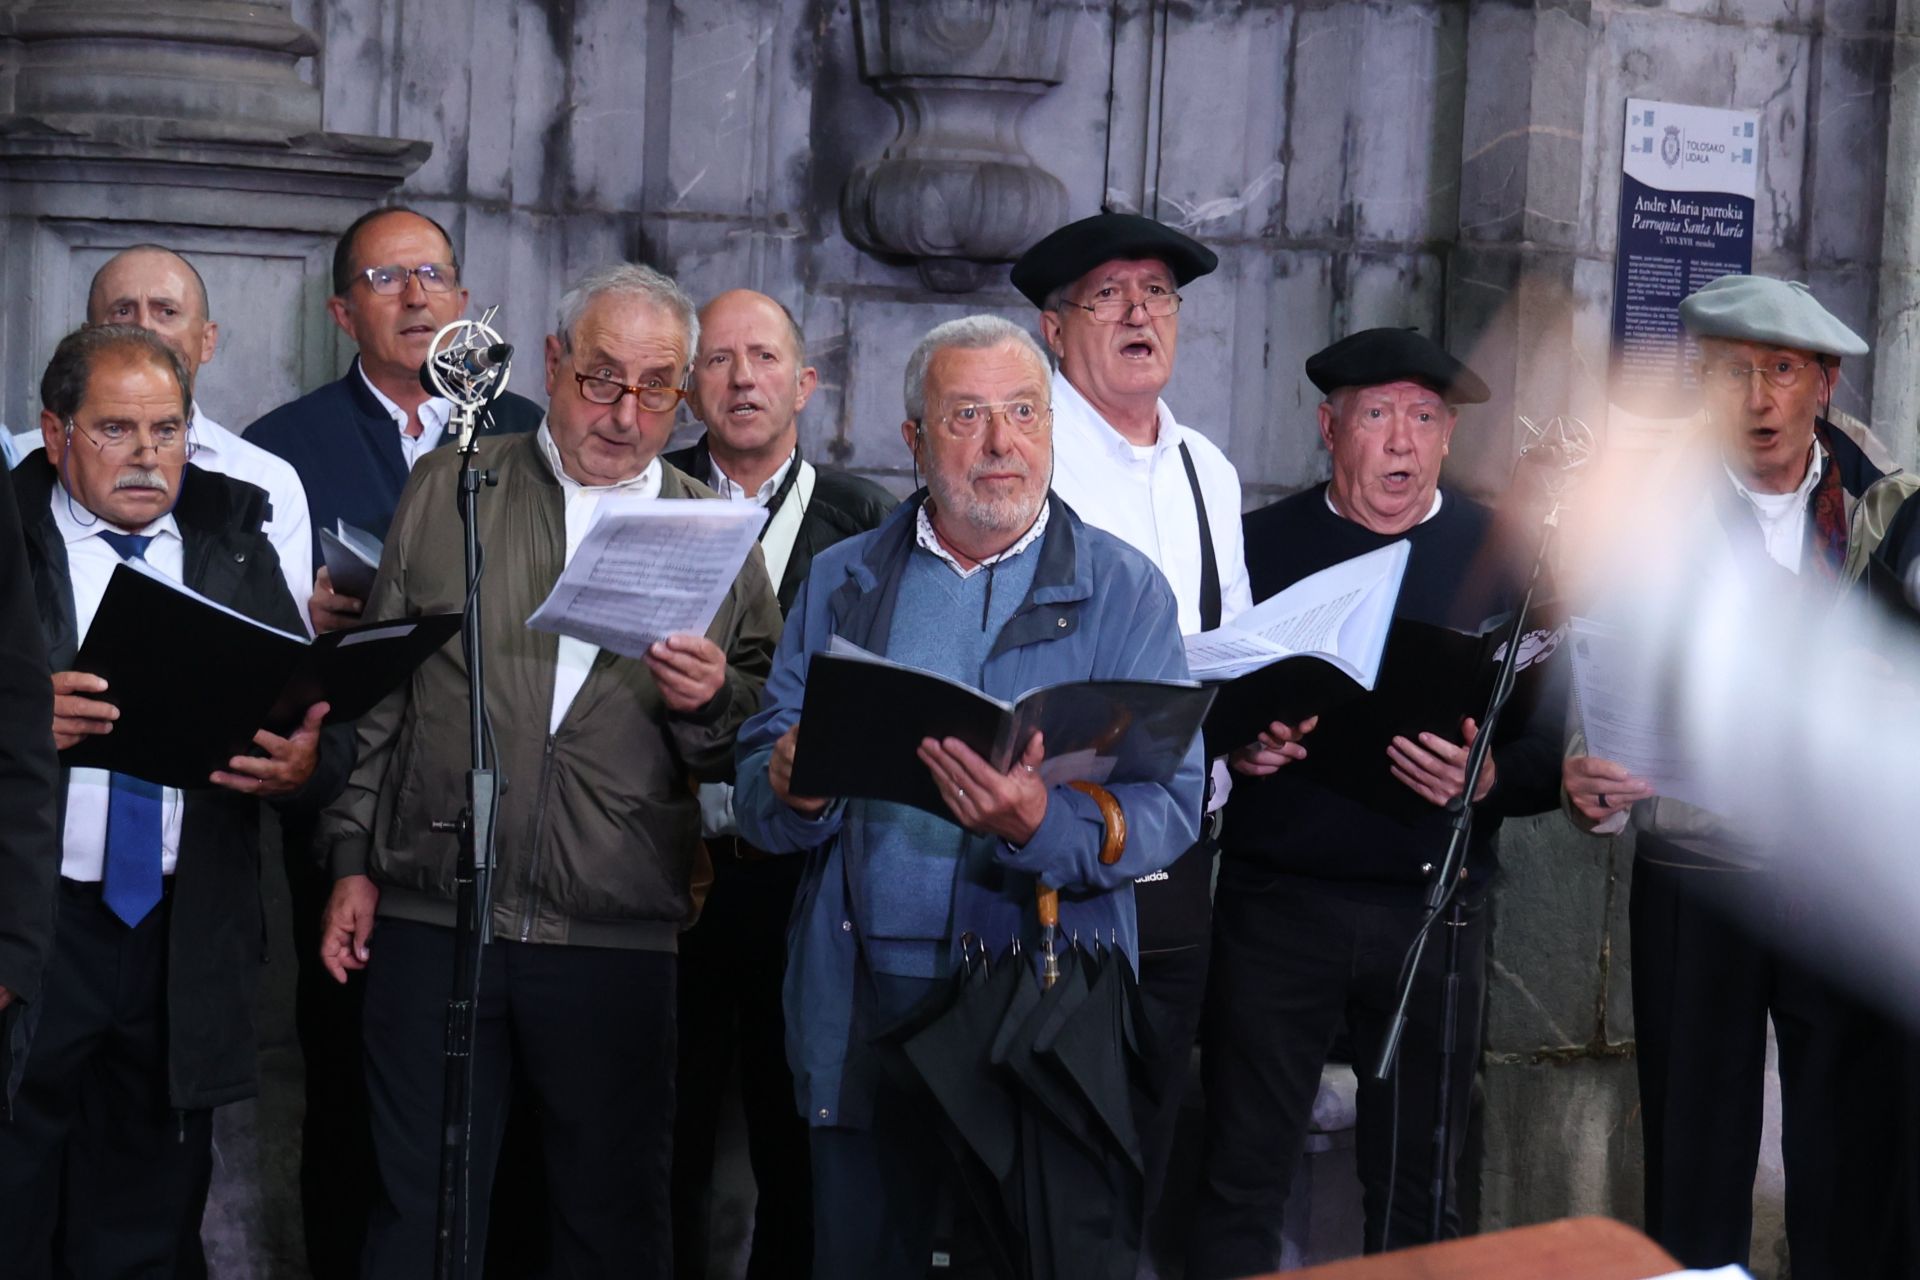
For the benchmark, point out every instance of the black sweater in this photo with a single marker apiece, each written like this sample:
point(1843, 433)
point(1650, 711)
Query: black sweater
point(1288, 822)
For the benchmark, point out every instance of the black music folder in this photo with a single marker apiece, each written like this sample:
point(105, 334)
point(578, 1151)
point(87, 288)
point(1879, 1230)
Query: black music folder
point(864, 718)
point(194, 680)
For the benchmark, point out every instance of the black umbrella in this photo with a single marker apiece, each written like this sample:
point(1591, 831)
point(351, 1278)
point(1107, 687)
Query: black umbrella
point(940, 1047)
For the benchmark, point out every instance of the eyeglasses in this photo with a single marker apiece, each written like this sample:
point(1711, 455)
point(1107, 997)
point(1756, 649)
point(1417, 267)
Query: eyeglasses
point(434, 277)
point(1782, 373)
point(654, 397)
point(1116, 310)
point(965, 421)
point(117, 439)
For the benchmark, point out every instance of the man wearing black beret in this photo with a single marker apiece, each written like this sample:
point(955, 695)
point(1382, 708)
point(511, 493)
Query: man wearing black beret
point(1321, 894)
point(1108, 292)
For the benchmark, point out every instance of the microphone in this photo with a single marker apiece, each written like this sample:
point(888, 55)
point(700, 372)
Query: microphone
point(1556, 450)
point(467, 363)
point(471, 363)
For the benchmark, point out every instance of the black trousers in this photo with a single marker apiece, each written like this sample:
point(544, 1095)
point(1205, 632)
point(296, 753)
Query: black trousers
point(337, 1173)
point(1175, 985)
point(591, 1030)
point(1292, 964)
point(877, 1192)
point(1709, 969)
point(731, 967)
point(96, 1145)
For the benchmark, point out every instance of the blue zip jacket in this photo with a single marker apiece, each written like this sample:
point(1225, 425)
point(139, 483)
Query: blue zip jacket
point(1097, 610)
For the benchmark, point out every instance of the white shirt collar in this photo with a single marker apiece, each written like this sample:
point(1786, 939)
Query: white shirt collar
point(923, 534)
point(1812, 478)
point(644, 485)
point(1432, 510)
point(724, 486)
point(1077, 414)
point(434, 413)
point(77, 524)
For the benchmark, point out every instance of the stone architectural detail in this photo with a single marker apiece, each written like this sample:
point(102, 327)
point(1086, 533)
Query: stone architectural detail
point(185, 122)
point(956, 193)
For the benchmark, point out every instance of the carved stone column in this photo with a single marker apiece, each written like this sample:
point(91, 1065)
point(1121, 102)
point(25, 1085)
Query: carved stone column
point(956, 193)
point(185, 122)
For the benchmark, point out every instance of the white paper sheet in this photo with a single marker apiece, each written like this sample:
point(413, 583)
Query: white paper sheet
point(648, 569)
point(1626, 717)
point(1341, 612)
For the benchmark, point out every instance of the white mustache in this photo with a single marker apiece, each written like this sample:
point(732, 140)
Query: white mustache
point(1012, 462)
point(140, 480)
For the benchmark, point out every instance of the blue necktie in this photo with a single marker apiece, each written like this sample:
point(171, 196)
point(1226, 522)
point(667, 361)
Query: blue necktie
point(131, 880)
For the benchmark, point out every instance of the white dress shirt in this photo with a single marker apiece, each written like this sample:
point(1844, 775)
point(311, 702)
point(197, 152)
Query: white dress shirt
point(724, 486)
point(575, 657)
point(1783, 516)
point(435, 413)
point(90, 562)
point(1140, 495)
point(289, 529)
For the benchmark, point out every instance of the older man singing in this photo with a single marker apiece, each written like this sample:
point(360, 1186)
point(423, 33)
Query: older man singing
point(985, 578)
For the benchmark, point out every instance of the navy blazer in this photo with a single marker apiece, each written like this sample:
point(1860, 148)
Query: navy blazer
point(347, 450)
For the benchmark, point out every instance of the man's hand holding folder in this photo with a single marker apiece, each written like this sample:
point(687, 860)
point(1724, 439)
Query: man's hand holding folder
point(282, 769)
point(1009, 805)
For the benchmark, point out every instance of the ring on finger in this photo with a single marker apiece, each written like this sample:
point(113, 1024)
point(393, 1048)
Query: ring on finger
point(960, 793)
point(1604, 804)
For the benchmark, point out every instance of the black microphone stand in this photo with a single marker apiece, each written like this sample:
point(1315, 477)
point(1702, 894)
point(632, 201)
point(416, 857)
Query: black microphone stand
point(1441, 900)
point(473, 876)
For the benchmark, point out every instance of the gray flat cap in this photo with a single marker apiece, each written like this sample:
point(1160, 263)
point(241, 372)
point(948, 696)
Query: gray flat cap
point(1761, 309)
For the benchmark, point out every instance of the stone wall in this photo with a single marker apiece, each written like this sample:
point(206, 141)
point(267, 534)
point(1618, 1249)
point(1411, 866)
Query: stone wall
point(1355, 162)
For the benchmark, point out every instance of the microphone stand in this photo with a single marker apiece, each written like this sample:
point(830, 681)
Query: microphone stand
point(473, 874)
point(1441, 900)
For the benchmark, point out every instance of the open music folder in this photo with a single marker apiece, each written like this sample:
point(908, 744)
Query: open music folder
point(1095, 731)
point(194, 679)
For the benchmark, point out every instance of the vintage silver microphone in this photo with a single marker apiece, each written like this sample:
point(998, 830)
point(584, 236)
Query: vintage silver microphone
point(1557, 449)
point(468, 365)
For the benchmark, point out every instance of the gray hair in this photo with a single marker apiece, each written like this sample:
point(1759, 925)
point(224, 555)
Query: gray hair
point(968, 333)
point(627, 279)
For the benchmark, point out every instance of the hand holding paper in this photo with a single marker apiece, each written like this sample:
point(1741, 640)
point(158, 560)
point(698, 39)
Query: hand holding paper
point(649, 569)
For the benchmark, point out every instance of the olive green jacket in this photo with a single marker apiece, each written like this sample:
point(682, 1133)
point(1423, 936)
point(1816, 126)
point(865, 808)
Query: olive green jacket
point(598, 823)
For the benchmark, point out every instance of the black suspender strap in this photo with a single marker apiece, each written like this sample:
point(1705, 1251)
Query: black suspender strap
point(1209, 566)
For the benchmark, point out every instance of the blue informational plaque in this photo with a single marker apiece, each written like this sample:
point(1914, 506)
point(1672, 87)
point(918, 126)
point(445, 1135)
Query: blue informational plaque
point(1687, 184)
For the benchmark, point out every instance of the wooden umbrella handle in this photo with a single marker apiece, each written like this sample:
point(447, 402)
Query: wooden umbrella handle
point(1112, 845)
point(1115, 842)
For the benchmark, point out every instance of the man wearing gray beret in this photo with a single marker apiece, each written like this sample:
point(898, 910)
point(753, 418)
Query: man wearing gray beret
point(1801, 495)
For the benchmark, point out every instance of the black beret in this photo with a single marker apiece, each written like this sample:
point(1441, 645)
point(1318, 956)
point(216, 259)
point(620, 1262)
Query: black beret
point(1077, 248)
point(1374, 357)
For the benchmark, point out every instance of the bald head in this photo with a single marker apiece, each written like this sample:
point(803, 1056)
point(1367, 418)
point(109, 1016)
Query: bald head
point(155, 288)
point(750, 378)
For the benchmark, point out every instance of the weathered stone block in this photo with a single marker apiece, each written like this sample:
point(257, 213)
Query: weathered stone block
point(1547, 977)
point(1227, 182)
point(1555, 1139)
point(1846, 164)
point(1276, 443)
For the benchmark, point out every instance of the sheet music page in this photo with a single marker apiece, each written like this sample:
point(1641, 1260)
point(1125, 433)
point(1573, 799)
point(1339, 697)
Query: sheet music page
point(1310, 616)
point(1627, 717)
point(648, 569)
